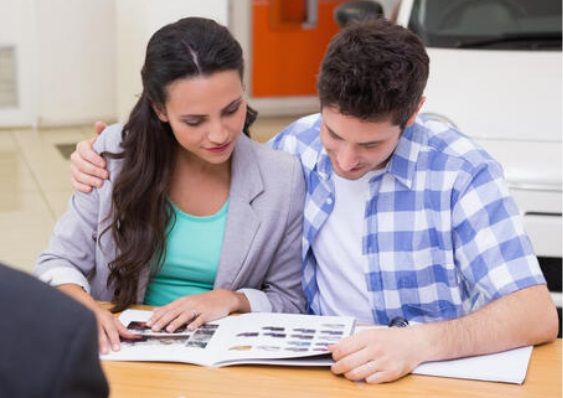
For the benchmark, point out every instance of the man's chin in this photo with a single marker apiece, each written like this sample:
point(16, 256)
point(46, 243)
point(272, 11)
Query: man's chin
point(351, 175)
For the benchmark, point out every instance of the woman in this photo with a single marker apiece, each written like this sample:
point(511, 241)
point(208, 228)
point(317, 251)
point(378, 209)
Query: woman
point(195, 217)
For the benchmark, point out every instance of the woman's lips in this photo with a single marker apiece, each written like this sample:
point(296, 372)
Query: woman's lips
point(219, 149)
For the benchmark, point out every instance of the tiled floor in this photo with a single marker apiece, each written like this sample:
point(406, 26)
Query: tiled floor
point(35, 187)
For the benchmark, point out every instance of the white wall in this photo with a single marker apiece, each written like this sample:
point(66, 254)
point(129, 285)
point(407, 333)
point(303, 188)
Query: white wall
point(79, 61)
point(17, 29)
point(66, 60)
point(76, 61)
point(136, 21)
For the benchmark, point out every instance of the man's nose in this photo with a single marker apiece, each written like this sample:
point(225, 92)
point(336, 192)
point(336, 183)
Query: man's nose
point(347, 158)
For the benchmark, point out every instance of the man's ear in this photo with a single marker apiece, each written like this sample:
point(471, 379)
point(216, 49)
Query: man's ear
point(161, 113)
point(412, 118)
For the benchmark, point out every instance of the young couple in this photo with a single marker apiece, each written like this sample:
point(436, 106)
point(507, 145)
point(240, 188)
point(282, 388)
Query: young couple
point(396, 216)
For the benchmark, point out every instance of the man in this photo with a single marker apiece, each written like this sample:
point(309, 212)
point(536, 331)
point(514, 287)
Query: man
point(49, 342)
point(404, 218)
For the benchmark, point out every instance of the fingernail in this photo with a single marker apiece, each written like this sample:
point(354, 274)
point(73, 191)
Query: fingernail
point(116, 347)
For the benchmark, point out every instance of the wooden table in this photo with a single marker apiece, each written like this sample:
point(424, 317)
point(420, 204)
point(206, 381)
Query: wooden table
point(136, 379)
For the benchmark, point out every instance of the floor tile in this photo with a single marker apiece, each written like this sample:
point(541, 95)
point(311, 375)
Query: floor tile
point(265, 128)
point(26, 223)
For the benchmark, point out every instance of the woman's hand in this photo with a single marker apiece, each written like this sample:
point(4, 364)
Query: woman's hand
point(110, 329)
point(197, 309)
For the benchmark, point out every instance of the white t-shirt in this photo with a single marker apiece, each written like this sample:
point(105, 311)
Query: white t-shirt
point(342, 268)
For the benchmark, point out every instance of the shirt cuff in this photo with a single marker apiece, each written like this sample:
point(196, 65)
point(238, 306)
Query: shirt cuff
point(63, 275)
point(258, 300)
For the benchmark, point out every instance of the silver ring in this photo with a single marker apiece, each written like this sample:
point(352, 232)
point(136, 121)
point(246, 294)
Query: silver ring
point(370, 365)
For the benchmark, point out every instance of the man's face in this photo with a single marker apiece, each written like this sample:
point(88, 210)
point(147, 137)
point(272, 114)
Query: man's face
point(356, 146)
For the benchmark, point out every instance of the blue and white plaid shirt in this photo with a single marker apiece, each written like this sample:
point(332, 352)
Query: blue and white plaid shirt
point(442, 234)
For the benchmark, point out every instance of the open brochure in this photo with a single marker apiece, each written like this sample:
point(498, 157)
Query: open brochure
point(255, 338)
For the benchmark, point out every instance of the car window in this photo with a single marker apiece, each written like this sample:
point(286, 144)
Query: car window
point(488, 24)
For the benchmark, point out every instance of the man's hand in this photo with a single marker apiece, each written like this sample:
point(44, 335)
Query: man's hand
point(197, 309)
point(86, 166)
point(378, 355)
point(385, 354)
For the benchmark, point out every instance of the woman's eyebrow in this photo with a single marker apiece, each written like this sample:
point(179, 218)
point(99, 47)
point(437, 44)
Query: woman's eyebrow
point(188, 115)
point(236, 101)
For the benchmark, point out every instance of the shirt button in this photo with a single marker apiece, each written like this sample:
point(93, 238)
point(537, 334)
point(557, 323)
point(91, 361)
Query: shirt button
point(329, 201)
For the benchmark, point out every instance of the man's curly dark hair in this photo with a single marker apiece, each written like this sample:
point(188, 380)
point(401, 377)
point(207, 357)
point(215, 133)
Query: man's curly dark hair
point(374, 70)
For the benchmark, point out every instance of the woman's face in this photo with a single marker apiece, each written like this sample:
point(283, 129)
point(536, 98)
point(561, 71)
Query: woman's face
point(206, 114)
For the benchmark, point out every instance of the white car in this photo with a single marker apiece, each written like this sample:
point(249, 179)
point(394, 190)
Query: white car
point(496, 75)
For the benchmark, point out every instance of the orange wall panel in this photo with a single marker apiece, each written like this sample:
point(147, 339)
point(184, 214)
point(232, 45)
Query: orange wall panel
point(285, 56)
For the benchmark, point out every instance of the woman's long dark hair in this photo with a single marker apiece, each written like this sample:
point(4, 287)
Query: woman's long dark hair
point(141, 213)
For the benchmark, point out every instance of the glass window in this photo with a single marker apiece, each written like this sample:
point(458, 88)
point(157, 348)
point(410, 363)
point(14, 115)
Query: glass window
point(488, 24)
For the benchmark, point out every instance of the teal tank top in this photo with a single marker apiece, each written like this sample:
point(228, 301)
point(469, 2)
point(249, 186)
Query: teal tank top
point(193, 251)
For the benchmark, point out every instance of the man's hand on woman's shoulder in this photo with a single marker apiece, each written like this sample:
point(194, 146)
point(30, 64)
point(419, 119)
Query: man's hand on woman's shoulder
point(88, 169)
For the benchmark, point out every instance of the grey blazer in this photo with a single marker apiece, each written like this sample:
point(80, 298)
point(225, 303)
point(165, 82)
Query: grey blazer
point(261, 254)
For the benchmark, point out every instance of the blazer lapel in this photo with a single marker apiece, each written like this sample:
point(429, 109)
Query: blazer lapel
point(242, 221)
